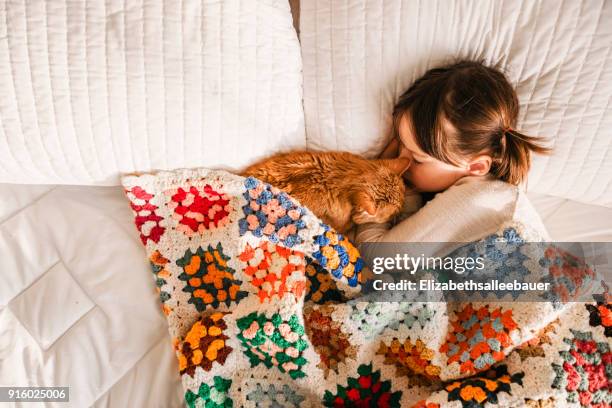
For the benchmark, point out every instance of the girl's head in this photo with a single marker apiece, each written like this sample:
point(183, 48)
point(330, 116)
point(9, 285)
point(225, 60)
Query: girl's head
point(459, 120)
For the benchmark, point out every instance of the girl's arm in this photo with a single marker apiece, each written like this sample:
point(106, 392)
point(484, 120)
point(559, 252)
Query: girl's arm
point(467, 211)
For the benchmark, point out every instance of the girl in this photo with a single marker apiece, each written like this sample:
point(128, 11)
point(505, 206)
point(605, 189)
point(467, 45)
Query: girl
point(457, 124)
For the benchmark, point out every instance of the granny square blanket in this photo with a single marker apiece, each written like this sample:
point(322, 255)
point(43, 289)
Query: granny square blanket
point(262, 306)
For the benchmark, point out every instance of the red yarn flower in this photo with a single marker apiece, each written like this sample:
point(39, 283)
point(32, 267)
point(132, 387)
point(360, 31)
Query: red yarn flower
point(365, 391)
point(146, 220)
point(584, 373)
point(198, 210)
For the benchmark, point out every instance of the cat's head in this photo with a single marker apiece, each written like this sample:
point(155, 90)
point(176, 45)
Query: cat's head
point(379, 194)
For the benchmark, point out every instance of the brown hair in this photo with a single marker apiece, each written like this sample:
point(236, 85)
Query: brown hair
point(481, 108)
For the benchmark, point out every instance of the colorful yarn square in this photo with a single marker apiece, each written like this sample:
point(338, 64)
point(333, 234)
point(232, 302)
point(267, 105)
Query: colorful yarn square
point(274, 342)
point(204, 344)
point(569, 276)
point(364, 391)
point(478, 338)
point(209, 279)
point(275, 395)
point(475, 392)
point(211, 396)
point(274, 270)
point(337, 254)
point(328, 339)
point(272, 213)
point(321, 287)
point(372, 318)
point(199, 209)
point(410, 359)
point(586, 372)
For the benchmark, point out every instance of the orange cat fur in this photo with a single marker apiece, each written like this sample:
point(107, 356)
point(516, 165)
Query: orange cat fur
point(340, 188)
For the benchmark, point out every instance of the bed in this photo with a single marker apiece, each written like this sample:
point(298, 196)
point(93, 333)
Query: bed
point(78, 306)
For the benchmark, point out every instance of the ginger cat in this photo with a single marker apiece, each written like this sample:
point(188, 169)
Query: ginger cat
point(341, 188)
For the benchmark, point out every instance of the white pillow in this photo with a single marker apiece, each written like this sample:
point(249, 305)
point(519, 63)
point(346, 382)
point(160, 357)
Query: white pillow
point(360, 55)
point(89, 90)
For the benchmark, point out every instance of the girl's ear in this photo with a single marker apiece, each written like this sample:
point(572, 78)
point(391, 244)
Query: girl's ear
point(398, 165)
point(480, 165)
point(363, 202)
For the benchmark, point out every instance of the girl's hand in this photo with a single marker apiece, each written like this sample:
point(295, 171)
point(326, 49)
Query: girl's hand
point(391, 151)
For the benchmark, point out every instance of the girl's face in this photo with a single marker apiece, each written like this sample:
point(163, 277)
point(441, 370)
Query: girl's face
point(426, 173)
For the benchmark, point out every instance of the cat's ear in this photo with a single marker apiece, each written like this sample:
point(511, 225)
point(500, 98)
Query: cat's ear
point(363, 202)
point(398, 165)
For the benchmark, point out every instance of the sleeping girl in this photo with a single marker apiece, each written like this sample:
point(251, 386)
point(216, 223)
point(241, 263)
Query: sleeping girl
point(457, 125)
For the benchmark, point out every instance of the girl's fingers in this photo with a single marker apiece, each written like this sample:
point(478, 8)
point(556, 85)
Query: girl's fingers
point(391, 151)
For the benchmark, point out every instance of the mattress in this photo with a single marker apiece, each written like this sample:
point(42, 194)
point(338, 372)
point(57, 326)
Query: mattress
point(78, 305)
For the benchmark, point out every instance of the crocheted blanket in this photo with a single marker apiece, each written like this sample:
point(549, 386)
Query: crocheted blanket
point(260, 300)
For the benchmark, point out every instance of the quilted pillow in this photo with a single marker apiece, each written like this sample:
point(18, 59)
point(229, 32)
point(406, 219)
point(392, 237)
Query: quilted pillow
point(88, 92)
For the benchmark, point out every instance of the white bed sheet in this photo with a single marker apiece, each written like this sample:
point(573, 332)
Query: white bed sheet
point(572, 221)
point(78, 305)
